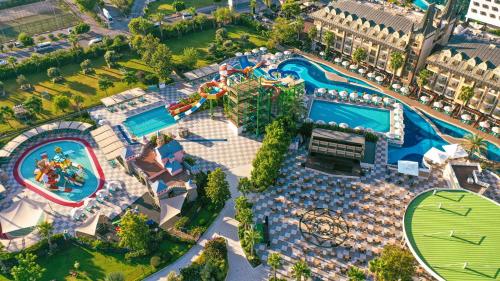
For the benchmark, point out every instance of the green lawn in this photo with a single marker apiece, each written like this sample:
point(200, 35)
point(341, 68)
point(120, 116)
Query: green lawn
point(201, 40)
point(476, 238)
point(75, 83)
point(96, 265)
point(165, 6)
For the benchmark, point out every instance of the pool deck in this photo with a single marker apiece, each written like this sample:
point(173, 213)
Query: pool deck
point(410, 102)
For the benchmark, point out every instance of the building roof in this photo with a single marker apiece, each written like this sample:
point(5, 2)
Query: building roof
point(476, 48)
point(173, 166)
point(465, 177)
point(169, 149)
point(336, 135)
point(371, 13)
point(159, 186)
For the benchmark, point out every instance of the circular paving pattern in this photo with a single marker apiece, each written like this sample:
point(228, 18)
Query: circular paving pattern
point(323, 228)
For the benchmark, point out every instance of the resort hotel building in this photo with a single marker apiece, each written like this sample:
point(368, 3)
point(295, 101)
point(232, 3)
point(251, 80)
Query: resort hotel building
point(470, 62)
point(485, 11)
point(383, 29)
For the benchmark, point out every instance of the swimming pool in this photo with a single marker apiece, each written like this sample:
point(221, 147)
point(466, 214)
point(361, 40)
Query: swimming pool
point(349, 78)
point(148, 122)
point(353, 115)
point(80, 153)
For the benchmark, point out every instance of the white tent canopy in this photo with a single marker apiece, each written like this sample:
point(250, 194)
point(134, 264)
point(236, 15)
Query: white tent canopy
point(171, 207)
point(436, 156)
point(25, 213)
point(89, 226)
point(408, 167)
point(455, 151)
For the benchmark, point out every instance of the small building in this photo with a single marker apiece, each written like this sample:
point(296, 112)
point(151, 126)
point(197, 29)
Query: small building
point(465, 175)
point(333, 151)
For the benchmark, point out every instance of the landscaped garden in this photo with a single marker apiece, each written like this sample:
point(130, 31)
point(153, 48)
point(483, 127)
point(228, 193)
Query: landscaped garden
point(455, 233)
point(167, 7)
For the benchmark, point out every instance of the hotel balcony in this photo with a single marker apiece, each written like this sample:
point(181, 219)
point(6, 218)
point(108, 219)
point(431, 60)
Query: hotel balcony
point(486, 108)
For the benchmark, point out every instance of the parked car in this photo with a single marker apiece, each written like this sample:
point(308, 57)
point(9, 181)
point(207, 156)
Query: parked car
point(18, 44)
point(3, 62)
point(95, 41)
point(187, 16)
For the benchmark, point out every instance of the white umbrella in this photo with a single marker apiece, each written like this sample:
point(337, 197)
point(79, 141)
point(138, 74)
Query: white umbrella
point(343, 94)
point(367, 97)
point(396, 117)
point(379, 78)
point(322, 54)
point(287, 53)
point(398, 105)
point(359, 128)
point(437, 104)
point(279, 54)
point(424, 98)
point(361, 71)
point(371, 75)
point(455, 151)
point(263, 49)
point(308, 120)
point(343, 125)
point(113, 185)
point(238, 54)
point(255, 51)
point(387, 100)
point(404, 90)
point(76, 213)
point(332, 92)
point(496, 130)
point(396, 86)
point(248, 53)
point(369, 130)
point(353, 67)
point(89, 202)
point(332, 123)
point(338, 60)
point(353, 95)
point(484, 124)
point(102, 193)
point(376, 99)
point(466, 117)
point(390, 135)
point(322, 90)
point(447, 108)
point(320, 122)
point(273, 57)
point(345, 63)
point(435, 155)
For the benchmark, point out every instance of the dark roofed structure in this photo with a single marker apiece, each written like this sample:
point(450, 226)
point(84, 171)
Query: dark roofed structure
point(476, 48)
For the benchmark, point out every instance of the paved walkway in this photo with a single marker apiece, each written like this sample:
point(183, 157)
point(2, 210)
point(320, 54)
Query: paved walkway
point(226, 226)
point(410, 102)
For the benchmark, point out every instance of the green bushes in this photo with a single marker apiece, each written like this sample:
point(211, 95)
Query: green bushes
point(211, 265)
point(268, 160)
point(248, 236)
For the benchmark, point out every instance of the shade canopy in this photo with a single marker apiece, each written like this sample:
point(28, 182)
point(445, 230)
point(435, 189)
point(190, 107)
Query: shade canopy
point(404, 90)
point(353, 95)
point(343, 125)
point(484, 124)
point(343, 94)
point(361, 71)
point(448, 108)
point(379, 78)
point(436, 156)
point(424, 98)
point(332, 123)
point(332, 92)
point(359, 128)
point(466, 117)
point(171, 207)
point(455, 151)
point(287, 53)
point(345, 63)
point(437, 104)
point(353, 66)
point(22, 214)
point(376, 99)
point(495, 130)
point(322, 90)
point(367, 96)
point(396, 86)
point(322, 54)
point(408, 167)
point(371, 74)
point(76, 213)
point(263, 49)
point(320, 122)
point(89, 227)
point(338, 60)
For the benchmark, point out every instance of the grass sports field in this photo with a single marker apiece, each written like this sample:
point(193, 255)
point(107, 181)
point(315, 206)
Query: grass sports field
point(475, 240)
point(165, 6)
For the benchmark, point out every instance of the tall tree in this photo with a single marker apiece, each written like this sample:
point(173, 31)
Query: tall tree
point(312, 35)
point(475, 145)
point(3, 255)
point(179, 5)
point(189, 57)
point(73, 40)
point(217, 189)
point(201, 20)
point(223, 15)
point(158, 19)
point(115, 276)
point(161, 61)
point(78, 100)
point(140, 25)
point(27, 269)
point(274, 261)
point(328, 40)
point(104, 84)
point(45, 230)
point(359, 55)
point(134, 232)
point(54, 73)
point(23, 82)
point(12, 61)
point(61, 102)
point(268, 3)
point(253, 6)
point(245, 216)
point(129, 76)
point(110, 57)
point(290, 8)
point(423, 80)
point(86, 66)
point(244, 185)
point(2, 89)
point(6, 113)
point(394, 264)
point(356, 274)
point(251, 236)
point(33, 104)
point(466, 93)
point(395, 63)
point(301, 269)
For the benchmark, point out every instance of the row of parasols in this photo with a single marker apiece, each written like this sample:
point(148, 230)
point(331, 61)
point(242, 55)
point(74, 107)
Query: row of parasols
point(362, 71)
point(397, 132)
point(91, 202)
point(263, 50)
point(354, 96)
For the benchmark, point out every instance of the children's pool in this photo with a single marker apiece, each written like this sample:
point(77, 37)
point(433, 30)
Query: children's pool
point(353, 115)
point(80, 153)
point(148, 122)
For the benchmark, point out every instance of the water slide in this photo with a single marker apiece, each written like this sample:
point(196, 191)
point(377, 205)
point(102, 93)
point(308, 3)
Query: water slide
point(188, 109)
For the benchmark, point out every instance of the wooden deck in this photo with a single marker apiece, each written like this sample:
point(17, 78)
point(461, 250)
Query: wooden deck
point(412, 103)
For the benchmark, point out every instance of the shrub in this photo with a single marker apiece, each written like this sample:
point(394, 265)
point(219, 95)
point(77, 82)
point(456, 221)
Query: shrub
point(181, 222)
point(25, 39)
point(155, 261)
point(81, 28)
point(215, 249)
point(151, 79)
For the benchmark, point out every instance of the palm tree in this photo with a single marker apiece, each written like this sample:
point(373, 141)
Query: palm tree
point(78, 101)
point(251, 236)
point(115, 276)
point(274, 261)
point(129, 76)
point(356, 274)
point(73, 40)
point(12, 61)
point(396, 63)
point(158, 18)
point(475, 145)
point(45, 230)
point(465, 95)
point(253, 5)
point(423, 80)
point(328, 40)
point(245, 217)
point(104, 84)
point(301, 269)
point(268, 3)
point(359, 55)
point(201, 20)
point(376, 266)
point(3, 253)
point(6, 113)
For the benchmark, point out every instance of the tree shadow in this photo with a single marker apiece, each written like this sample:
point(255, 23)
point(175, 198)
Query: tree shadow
point(471, 271)
point(470, 241)
point(494, 276)
point(110, 77)
point(450, 198)
point(467, 211)
point(80, 87)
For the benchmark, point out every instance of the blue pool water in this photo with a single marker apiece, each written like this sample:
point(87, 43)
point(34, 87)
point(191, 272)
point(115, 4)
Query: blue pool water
point(377, 119)
point(349, 78)
point(149, 121)
point(422, 4)
point(78, 155)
